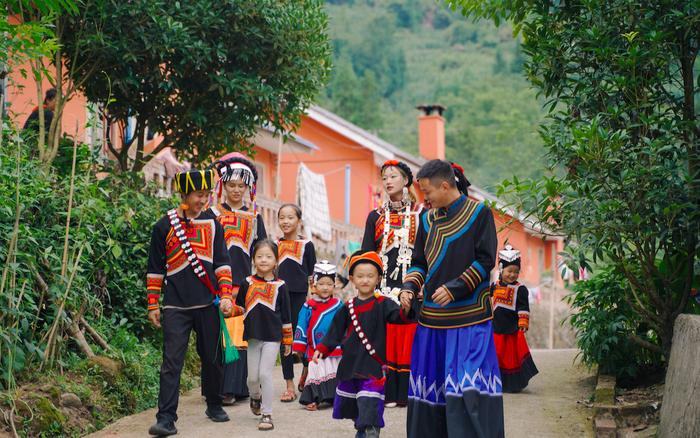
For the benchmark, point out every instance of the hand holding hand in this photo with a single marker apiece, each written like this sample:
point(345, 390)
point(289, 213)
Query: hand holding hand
point(442, 296)
point(287, 350)
point(226, 306)
point(406, 298)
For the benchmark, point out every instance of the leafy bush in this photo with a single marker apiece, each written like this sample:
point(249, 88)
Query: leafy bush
point(604, 323)
point(108, 240)
point(107, 246)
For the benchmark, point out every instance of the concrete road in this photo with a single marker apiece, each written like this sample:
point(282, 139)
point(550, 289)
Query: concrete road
point(550, 407)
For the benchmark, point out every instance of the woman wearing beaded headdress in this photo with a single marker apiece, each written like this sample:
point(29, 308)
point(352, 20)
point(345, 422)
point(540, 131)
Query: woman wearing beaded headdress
point(391, 231)
point(242, 228)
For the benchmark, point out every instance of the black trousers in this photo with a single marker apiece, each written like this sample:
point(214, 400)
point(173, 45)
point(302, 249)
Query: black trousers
point(177, 325)
point(297, 301)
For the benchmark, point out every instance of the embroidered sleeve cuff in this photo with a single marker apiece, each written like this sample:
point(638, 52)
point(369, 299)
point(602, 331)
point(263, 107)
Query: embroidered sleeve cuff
point(153, 301)
point(524, 320)
point(287, 334)
point(323, 349)
point(225, 280)
point(154, 283)
point(449, 292)
point(472, 277)
point(299, 346)
point(414, 281)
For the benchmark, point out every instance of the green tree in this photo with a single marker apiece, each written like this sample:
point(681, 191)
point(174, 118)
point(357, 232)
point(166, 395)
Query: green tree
point(355, 99)
point(205, 74)
point(379, 53)
point(621, 88)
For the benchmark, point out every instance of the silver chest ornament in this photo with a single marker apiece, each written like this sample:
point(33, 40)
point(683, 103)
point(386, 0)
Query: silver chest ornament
point(402, 240)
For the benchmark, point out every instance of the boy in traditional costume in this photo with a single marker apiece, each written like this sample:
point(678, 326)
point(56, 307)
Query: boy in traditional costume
point(455, 381)
point(360, 327)
point(511, 319)
point(188, 259)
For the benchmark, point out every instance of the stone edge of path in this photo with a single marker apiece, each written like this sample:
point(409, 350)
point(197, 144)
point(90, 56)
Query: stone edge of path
point(604, 424)
point(609, 418)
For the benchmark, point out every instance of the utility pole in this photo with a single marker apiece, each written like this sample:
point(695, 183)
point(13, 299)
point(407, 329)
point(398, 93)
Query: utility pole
point(551, 296)
point(347, 193)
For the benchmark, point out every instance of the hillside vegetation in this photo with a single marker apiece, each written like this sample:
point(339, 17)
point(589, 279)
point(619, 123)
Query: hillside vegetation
point(390, 56)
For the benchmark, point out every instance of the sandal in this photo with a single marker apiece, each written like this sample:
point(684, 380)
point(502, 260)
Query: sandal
point(302, 379)
point(288, 396)
point(311, 407)
point(266, 423)
point(255, 405)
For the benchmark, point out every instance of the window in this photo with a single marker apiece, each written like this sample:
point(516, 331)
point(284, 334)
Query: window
point(261, 179)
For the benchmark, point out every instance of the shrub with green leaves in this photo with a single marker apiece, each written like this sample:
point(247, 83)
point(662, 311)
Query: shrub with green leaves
point(604, 322)
point(104, 264)
point(622, 138)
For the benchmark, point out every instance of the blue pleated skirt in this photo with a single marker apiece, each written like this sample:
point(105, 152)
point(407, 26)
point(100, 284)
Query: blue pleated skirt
point(455, 384)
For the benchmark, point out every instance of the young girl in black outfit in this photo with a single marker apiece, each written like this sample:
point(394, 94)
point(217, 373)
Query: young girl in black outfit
point(267, 324)
point(297, 258)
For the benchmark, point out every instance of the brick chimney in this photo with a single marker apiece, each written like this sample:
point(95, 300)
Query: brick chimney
point(431, 132)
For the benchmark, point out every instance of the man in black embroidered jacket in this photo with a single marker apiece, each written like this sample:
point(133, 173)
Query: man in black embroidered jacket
point(455, 386)
point(188, 299)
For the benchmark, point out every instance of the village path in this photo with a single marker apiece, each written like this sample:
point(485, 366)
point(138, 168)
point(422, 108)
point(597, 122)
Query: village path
point(552, 406)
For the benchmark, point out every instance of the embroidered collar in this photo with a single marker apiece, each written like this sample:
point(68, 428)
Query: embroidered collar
point(259, 278)
point(452, 208)
point(228, 208)
point(503, 283)
point(397, 205)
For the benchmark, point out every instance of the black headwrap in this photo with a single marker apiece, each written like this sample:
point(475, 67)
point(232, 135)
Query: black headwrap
point(193, 180)
point(403, 167)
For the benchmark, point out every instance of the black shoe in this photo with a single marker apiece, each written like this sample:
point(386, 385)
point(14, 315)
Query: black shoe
point(163, 428)
point(217, 414)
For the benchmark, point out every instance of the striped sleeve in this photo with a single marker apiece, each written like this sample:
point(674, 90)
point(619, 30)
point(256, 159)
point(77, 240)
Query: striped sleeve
point(155, 272)
point(300, 339)
point(225, 280)
point(522, 306)
point(154, 284)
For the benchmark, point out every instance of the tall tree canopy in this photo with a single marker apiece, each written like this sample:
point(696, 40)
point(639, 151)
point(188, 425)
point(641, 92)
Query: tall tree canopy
point(621, 82)
point(205, 74)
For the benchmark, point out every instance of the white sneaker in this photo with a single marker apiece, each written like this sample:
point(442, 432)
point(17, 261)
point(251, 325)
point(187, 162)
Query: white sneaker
point(390, 405)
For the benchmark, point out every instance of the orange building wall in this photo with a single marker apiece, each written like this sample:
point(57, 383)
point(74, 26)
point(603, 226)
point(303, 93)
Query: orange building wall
point(22, 98)
point(335, 151)
point(536, 253)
